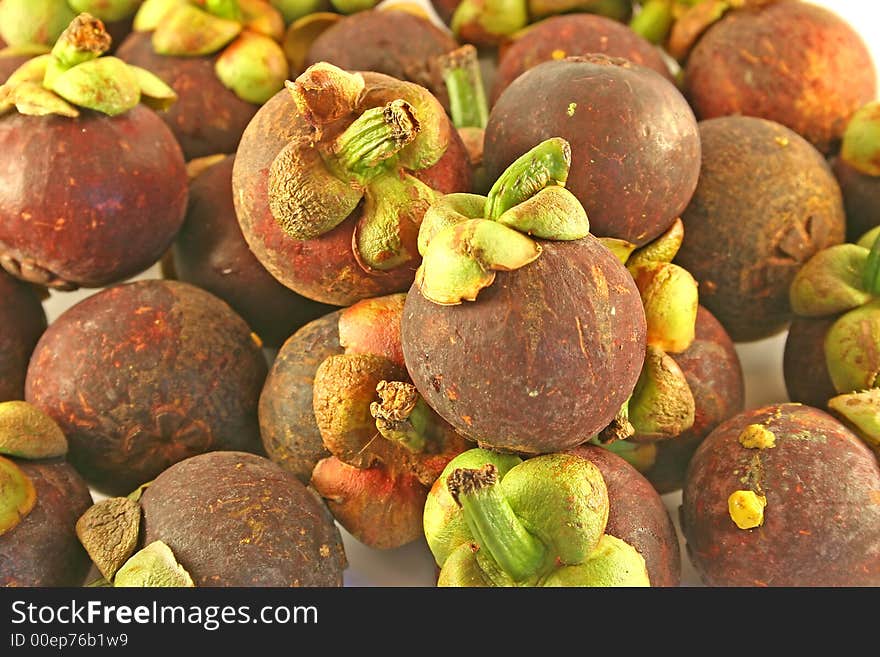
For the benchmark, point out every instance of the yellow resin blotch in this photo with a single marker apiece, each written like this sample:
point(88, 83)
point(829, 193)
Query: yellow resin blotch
point(746, 509)
point(757, 436)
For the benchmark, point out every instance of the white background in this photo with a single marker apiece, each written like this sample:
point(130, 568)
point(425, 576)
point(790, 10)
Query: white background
point(412, 565)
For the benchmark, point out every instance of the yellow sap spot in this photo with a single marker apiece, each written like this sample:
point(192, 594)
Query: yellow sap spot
point(782, 141)
point(746, 509)
point(558, 54)
point(757, 436)
point(257, 341)
point(571, 108)
point(324, 550)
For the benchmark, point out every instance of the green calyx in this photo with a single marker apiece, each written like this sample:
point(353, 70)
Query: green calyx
point(852, 349)
point(352, 6)
point(316, 183)
point(642, 456)
point(613, 563)
point(109, 532)
point(831, 282)
point(619, 10)
point(292, 10)
point(461, 74)
point(654, 20)
point(662, 404)
point(861, 411)
point(245, 34)
point(487, 22)
point(17, 495)
point(75, 75)
point(495, 520)
point(861, 140)
point(154, 566)
point(465, 239)
point(26, 432)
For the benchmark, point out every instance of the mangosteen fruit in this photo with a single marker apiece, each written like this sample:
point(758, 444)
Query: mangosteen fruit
point(23, 319)
point(228, 519)
point(223, 59)
point(393, 42)
point(211, 253)
point(552, 347)
point(41, 497)
point(93, 183)
point(333, 177)
point(634, 139)
point(495, 520)
point(857, 168)
point(794, 63)
point(144, 374)
point(783, 495)
point(766, 202)
point(573, 34)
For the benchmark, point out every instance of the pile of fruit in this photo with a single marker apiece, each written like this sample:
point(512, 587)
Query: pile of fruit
point(475, 284)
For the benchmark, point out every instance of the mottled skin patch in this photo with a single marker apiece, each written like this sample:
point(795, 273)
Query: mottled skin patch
point(207, 118)
point(760, 211)
point(574, 34)
point(794, 63)
point(821, 523)
point(211, 252)
point(395, 43)
point(804, 366)
point(142, 375)
point(236, 519)
point(287, 421)
point(637, 515)
point(43, 550)
point(542, 360)
point(634, 140)
point(325, 268)
point(861, 198)
point(88, 201)
point(23, 320)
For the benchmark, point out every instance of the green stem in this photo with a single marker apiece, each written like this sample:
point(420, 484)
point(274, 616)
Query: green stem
point(871, 275)
point(493, 523)
point(654, 21)
point(546, 164)
point(375, 136)
point(83, 40)
point(464, 84)
point(403, 416)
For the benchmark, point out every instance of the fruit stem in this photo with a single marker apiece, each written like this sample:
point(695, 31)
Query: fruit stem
point(493, 523)
point(464, 83)
point(403, 416)
point(83, 40)
point(375, 136)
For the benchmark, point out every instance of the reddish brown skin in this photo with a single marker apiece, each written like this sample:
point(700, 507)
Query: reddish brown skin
point(806, 373)
point(23, 320)
point(325, 268)
point(211, 253)
point(88, 201)
point(445, 9)
point(767, 201)
point(544, 328)
point(287, 422)
point(395, 43)
point(372, 326)
point(234, 519)
point(9, 63)
point(207, 118)
point(143, 375)
point(637, 515)
point(43, 550)
point(791, 62)
point(378, 509)
point(861, 198)
point(822, 519)
point(574, 34)
point(715, 377)
point(632, 131)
